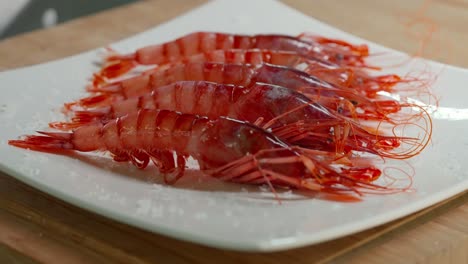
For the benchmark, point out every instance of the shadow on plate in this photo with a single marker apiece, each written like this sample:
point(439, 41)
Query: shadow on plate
point(197, 181)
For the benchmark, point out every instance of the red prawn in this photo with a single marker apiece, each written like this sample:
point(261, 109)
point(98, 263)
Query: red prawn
point(225, 148)
point(354, 78)
point(342, 100)
point(201, 42)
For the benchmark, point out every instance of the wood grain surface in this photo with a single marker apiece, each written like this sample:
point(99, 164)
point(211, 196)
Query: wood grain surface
point(37, 228)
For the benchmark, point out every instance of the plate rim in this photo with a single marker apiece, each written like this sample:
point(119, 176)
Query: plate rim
point(256, 246)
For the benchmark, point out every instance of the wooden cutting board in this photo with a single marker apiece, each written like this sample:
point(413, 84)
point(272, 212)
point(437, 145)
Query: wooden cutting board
point(35, 227)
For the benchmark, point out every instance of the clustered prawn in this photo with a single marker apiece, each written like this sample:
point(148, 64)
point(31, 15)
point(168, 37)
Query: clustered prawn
point(278, 110)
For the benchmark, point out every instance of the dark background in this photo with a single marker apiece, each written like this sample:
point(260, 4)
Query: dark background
point(30, 17)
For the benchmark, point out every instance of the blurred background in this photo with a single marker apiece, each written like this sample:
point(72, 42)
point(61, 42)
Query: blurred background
point(18, 16)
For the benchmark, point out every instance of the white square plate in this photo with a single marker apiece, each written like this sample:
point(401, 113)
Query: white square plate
point(212, 213)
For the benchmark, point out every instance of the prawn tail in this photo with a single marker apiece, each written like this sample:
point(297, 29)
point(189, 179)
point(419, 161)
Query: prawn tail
point(104, 87)
point(81, 118)
point(88, 102)
point(49, 141)
point(116, 66)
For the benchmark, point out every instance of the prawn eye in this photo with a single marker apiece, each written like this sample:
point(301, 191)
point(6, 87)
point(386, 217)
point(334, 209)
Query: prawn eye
point(249, 140)
point(339, 57)
point(242, 135)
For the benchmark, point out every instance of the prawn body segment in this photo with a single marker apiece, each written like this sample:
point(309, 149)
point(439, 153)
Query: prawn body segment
point(343, 100)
